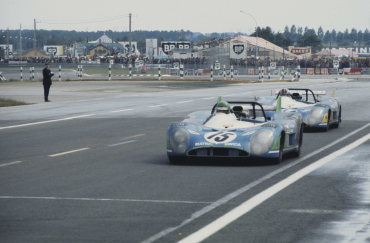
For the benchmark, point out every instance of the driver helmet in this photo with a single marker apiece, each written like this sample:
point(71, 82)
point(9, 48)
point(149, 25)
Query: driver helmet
point(223, 107)
point(284, 92)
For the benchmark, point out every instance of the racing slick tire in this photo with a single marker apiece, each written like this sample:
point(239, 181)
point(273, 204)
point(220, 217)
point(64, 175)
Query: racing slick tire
point(297, 153)
point(175, 160)
point(326, 128)
point(277, 160)
point(336, 125)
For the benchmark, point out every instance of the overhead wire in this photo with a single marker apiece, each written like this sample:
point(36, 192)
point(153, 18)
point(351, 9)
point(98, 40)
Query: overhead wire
point(83, 21)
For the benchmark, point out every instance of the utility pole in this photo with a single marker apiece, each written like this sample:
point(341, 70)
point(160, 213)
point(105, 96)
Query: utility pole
point(7, 43)
point(20, 41)
point(34, 37)
point(129, 37)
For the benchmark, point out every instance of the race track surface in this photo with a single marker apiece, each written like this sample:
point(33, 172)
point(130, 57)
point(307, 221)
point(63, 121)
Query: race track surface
point(91, 166)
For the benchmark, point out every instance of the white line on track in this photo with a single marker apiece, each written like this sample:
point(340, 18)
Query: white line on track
point(35, 123)
point(139, 135)
point(11, 163)
point(156, 105)
point(131, 141)
point(123, 110)
point(208, 98)
point(102, 199)
point(248, 205)
point(247, 187)
point(184, 101)
point(68, 152)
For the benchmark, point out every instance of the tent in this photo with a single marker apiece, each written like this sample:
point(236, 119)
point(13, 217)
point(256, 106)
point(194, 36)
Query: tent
point(163, 57)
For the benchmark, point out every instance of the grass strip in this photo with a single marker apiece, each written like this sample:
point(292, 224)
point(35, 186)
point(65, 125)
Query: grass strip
point(4, 102)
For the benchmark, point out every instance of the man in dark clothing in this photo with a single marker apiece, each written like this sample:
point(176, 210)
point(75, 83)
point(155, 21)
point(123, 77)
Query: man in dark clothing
point(47, 81)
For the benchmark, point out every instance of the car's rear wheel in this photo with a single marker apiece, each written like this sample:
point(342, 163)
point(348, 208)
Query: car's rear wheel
point(297, 153)
point(336, 125)
point(177, 159)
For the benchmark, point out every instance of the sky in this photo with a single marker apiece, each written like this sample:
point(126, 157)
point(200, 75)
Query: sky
point(203, 16)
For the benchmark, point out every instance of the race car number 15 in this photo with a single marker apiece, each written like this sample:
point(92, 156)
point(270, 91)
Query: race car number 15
point(219, 137)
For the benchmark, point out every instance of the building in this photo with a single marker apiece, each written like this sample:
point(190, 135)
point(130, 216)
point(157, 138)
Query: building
point(99, 50)
point(31, 53)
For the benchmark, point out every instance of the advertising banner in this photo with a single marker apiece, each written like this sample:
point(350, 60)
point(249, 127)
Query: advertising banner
point(151, 47)
point(167, 46)
point(238, 50)
point(318, 71)
point(126, 44)
point(204, 72)
point(8, 49)
point(300, 51)
point(54, 50)
point(352, 71)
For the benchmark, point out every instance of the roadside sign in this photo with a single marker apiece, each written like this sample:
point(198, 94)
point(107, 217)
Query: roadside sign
point(111, 61)
point(217, 66)
point(336, 63)
point(141, 62)
point(272, 65)
point(176, 65)
point(137, 63)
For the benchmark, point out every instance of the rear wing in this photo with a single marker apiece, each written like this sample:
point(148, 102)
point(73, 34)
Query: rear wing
point(302, 92)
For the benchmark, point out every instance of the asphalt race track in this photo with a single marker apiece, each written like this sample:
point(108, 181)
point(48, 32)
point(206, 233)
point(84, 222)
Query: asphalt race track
point(91, 166)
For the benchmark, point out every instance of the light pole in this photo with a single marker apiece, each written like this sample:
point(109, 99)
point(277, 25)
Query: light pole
point(256, 32)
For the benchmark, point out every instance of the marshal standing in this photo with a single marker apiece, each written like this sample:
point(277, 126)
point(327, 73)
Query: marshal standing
point(46, 81)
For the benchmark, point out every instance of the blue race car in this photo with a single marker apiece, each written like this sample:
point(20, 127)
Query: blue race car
point(235, 129)
point(317, 112)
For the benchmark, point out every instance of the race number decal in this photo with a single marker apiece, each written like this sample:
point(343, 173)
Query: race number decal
point(219, 137)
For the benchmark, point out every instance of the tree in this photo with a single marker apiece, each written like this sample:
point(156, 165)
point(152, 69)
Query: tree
point(286, 32)
point(310, 39)
point(293, 33)
point(327, 37)
point(320, 33)
point(353, 35)
point(305, 30)
point(333, 35)
point(299, 34)
point(359, 37)
point(346, 35)
point(339, 37)
point(366, 37)
point(160, 40)
point(265, 33)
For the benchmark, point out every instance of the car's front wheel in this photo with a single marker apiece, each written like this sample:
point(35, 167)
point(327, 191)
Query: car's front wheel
point(177, 159)
point(277, 160)
point(336, 125)
point(297, 153)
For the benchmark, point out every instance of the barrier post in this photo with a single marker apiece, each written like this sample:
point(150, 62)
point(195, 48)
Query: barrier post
point(211, 73)
point(21, 73)
point(262, 71)
point(268, 69)
point(283, 73)
point(224, 72)
point(232, 72)
point(33, 73)
point(130, 66)
point(82, 71)
point(181, 71)
point(30, 73)
point(259, 73)
point(60, 73)
point(110, 72)
point(299, 72)
point(78, 71)
point(159, 72)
